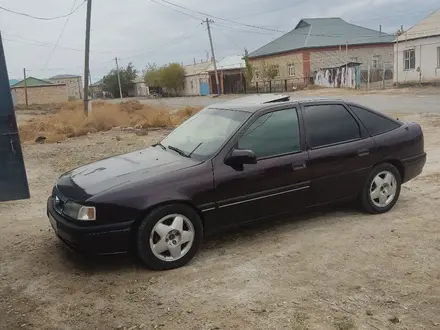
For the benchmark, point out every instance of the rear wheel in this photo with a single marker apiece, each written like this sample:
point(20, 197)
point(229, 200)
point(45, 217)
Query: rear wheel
point(169, 236)
point(381, 190)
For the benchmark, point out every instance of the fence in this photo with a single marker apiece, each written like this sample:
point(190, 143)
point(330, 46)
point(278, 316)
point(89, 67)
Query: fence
point(378, 75)
point(276, 85)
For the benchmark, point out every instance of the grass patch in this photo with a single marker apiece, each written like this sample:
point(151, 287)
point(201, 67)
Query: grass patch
point(70, 121)
point(344, 323)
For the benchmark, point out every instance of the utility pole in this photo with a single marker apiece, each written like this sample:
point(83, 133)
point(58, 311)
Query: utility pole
point(25, 87)
point(119, 78)
point(213, 54)
point(87, 108)
point(346, 63)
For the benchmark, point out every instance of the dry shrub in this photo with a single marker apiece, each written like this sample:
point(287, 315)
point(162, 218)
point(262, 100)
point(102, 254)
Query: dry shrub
point(130, 106)
point(71, 120)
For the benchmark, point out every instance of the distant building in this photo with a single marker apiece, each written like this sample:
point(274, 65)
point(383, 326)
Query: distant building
point(39, 91)
point(140, 87)
point(73, 82)
point(417, 52)
point(196, 81)
point(317, 43)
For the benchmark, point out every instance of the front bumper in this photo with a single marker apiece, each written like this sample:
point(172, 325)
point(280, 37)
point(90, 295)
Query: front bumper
point(413, 166)
point(94, 239)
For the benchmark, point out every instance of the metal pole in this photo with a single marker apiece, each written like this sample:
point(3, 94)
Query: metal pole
point(213, 56)
point(119, 78)
point(87, 58)
point(25, 87)
point(397, 61)
point(346, 63)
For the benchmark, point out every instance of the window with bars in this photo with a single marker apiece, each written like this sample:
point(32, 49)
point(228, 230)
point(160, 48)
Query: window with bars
point(291, 70)
point(409, 59)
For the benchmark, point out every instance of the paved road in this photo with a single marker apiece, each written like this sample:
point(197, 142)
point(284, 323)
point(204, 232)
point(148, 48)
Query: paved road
point(393, 103)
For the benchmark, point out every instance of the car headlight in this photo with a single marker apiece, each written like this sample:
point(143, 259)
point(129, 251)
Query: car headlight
point(79, 212)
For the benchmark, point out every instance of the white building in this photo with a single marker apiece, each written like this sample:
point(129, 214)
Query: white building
point(196, 79)
point(417, 52)
point(140, 87)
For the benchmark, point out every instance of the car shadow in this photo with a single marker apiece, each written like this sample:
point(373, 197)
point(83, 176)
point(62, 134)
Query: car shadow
point(129, 262)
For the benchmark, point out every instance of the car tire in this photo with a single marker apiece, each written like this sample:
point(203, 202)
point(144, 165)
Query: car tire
point(169, 236)
point(381, 189)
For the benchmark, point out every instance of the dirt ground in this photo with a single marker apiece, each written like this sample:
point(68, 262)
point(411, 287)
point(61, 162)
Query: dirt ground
point(333, 269)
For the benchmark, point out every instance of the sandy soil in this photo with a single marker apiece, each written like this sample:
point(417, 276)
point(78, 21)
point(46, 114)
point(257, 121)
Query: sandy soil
point(333, 269)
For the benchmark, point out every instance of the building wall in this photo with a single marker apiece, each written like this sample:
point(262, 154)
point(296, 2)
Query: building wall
point(426, 58)
point(283, 62)
point(74, 85)
point(331, 57)
point(309, 61)
point(141, 89)
point(42, 94)
point(191, 85)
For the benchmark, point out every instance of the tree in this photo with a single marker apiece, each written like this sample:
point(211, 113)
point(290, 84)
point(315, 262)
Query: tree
point(171, 77)
point(269, 71)
point(153, 75)
point(249, 70)
point(128, 76)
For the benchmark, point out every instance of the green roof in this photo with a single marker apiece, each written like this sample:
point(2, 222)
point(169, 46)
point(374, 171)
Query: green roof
point(31, 81)
point(322, 32)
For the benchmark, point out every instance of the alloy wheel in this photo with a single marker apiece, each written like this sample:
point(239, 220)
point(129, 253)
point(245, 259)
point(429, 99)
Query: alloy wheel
point(383, 189)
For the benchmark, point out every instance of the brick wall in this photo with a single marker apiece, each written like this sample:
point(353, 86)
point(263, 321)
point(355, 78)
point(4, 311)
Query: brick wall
point(327, 58)
point(74, 86)
point(308, 61)
point(42, 94)
point(283, 62)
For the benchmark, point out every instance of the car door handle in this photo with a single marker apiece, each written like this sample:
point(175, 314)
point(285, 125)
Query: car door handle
point(363, 152)
point(297, 167)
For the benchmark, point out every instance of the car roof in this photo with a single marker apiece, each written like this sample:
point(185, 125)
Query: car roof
point(257, 102)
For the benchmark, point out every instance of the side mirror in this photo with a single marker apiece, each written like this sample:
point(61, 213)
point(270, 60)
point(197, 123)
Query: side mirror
point(240, 157)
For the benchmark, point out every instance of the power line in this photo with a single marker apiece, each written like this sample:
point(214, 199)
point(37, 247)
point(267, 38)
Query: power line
point(60, 36)
point(220, 18)
point(43, 18)
point(179, 11)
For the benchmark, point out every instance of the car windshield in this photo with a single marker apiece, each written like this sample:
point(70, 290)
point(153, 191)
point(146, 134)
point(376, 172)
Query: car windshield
point(203, 134)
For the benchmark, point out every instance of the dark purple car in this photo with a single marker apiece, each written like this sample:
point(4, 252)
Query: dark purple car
point(235, 162)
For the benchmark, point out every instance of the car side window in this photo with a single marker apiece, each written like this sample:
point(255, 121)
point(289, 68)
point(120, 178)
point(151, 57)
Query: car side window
point(329, 124)
point(374, 123)
point(272, 134)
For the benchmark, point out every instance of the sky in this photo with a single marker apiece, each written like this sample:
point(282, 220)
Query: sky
point(152, 31)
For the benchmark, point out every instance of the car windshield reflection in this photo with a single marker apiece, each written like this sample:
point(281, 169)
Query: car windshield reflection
point(203, 134)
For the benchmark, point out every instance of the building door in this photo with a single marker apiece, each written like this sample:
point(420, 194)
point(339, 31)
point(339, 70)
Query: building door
point(204, 87)
point(13, 180)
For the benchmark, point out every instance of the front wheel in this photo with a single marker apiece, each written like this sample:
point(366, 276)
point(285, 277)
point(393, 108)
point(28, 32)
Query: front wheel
point(381, 190)
point(169, 236)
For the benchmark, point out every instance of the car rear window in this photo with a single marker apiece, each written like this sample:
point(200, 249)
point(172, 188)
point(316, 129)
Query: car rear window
point(328, 124)
point(374, 123)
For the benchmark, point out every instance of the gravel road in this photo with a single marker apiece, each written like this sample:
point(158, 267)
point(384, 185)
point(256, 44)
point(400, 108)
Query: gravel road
point(333, 269)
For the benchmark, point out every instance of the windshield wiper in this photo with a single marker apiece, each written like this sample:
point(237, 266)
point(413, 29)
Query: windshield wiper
point(160, 145)
point(179, 151)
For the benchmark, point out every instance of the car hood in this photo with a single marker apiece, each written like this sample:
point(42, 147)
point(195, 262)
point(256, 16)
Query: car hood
point(95, 178)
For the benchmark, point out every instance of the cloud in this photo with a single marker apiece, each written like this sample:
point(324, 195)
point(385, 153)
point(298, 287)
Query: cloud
point(144, 32)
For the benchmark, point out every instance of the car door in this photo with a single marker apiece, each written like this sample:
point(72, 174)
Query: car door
point(341, 152)
point(276, 184)
point(13, 181)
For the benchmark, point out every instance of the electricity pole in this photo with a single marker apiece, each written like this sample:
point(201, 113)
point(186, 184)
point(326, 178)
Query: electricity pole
point(25, 87)
point(119, 78)
point(213, 54)
point(87, 109)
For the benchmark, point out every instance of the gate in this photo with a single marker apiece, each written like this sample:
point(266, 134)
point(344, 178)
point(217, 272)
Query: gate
point(13, 180)
point(204, 87)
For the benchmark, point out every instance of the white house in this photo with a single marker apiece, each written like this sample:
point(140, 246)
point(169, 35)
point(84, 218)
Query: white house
point(417, 52)
point(140, 87)
point(196, 79)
